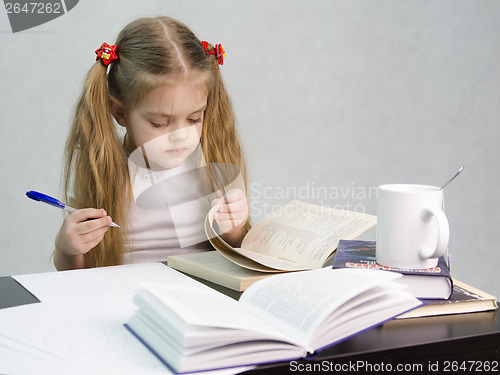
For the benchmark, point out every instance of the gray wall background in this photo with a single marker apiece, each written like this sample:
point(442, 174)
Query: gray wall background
point(333, 98)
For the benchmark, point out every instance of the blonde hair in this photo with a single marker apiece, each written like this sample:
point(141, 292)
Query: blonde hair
point(152, 52)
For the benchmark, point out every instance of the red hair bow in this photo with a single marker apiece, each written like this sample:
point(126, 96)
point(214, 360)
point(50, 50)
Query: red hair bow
point(106, 53)
point(219, 52)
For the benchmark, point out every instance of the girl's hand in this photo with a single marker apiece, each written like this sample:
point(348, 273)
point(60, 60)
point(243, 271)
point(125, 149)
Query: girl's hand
point(232, 216)
point(78, 235)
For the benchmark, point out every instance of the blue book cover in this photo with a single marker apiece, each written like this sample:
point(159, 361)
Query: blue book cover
point(361, 254)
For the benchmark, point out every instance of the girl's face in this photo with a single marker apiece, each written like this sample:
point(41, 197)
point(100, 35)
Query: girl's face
point(167, 123)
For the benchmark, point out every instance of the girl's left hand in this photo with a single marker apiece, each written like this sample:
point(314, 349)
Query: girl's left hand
point(232, 216)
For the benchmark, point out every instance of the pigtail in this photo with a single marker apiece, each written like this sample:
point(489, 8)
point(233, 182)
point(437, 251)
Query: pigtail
point(94, 155)
point(220, 140)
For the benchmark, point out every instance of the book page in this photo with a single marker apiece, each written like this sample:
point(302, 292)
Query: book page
point(298, 303)
point(235, 255)
point(209, 308)
point(305, 234)
point(297, 236)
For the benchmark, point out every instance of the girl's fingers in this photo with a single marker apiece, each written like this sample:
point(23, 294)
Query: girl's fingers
point(231, 196)
point(87, 213)
point(82, 230)
point(235, 216)
point(90, 237)
point(90, 245)
point(88, 220)
point(92, 225)
point(234, 201)
point(229, 213)
point(234, 212)
point(233, 207)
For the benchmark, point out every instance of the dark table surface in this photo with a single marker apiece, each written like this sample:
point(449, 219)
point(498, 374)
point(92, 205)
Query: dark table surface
point(444, 341)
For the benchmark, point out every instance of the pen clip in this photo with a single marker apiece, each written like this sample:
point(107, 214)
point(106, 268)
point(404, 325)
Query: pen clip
point(35, 195)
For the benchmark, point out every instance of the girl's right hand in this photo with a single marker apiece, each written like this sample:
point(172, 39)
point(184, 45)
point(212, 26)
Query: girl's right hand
point(81, 231)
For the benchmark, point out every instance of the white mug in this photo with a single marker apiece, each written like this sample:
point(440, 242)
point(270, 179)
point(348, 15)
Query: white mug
point(412, 229)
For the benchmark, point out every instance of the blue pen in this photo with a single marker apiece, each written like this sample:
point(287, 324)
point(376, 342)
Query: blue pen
point(35, 195)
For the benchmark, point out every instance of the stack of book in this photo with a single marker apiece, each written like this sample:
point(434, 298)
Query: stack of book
point(440, 293)
point(431, 283)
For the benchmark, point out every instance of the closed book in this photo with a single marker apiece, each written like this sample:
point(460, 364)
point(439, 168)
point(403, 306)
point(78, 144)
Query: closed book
point(214, 267)
point(430, 283)
point(464, 299)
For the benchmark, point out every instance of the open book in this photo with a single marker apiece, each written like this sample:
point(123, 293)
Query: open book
point(294, 237)
point(280, 318)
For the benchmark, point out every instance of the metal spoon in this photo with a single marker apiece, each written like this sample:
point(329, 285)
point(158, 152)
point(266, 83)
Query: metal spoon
point(451, 179)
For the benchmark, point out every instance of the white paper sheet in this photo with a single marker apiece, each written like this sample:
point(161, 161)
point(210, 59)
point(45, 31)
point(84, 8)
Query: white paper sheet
point(21, 358)
point(53, 286)
point(79, 323)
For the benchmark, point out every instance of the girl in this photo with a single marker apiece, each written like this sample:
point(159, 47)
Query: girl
point(164, 87)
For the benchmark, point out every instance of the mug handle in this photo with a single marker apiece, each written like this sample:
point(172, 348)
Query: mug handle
point(427, 252)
